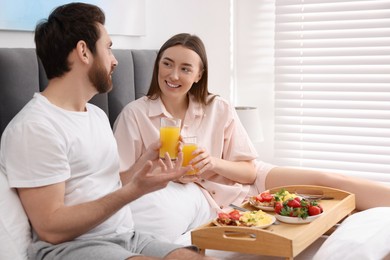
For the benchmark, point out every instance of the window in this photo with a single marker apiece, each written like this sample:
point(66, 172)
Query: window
point(332, 86)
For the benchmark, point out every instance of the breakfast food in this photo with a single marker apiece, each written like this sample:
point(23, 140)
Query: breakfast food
point(297, 207)
point(264, 199)
point(257, 218)
point(287, 204)
point(284, 195)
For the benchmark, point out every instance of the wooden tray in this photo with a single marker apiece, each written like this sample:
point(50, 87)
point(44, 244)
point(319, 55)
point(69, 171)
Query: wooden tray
point(283, 240)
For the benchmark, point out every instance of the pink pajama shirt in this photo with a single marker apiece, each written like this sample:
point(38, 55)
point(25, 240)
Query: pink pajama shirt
point(218, 130)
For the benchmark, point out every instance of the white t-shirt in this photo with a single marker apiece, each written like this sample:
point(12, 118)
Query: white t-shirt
point(45, 144)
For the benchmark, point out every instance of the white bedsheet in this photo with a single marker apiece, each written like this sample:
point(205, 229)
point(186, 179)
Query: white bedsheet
point(363, 235)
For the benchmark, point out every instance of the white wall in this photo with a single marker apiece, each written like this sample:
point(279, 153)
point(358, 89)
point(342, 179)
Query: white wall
point(211, 21)
point(165, 18)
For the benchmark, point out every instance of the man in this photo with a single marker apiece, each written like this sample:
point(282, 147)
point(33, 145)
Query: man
point(60, 153)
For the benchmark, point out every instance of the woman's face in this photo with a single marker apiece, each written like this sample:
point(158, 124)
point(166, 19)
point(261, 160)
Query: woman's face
point(179, 68)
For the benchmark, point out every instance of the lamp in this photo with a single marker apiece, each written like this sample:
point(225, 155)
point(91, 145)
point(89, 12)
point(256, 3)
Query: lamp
point(250, 119)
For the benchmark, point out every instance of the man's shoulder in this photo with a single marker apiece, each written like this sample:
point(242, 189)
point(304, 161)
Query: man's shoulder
point(28, 113)
point(91, 108)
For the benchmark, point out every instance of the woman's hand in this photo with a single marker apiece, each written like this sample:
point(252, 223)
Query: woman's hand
point(187, 178)
point(203, 161)
point(239, 171)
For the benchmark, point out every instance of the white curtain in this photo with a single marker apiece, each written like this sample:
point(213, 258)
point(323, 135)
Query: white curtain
point(332, 86)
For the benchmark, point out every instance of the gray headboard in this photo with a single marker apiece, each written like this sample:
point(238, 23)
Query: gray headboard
point(22, 74)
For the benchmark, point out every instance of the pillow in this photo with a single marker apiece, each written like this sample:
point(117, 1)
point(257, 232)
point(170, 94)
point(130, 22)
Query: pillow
point(15, 232)
point(171, 212)
point(364, 235)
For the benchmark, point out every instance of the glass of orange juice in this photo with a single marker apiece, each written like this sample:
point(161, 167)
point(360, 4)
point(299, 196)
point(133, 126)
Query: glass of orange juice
point(169, 136)
point(189, 146)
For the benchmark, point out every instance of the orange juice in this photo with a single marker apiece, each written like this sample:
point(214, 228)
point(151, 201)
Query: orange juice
point(169, 137)
point(188, 156)
point(189, 147)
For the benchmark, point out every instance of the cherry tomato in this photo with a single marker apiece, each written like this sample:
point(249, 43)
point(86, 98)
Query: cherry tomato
point(235, 215)
point(259, 198)
point(314, 210)
point(266, 196)
point(224, 218)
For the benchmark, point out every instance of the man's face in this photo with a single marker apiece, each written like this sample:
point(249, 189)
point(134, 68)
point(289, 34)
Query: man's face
point(100, 73)
point(100, 76)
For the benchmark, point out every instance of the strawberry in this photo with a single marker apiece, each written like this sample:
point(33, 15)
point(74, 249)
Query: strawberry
point(278, 207)
point(293, 203)
point(314, 210)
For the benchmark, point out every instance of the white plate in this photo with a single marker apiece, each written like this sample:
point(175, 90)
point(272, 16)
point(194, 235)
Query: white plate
point(273, 219)
point(265, 208)
point(296, 220)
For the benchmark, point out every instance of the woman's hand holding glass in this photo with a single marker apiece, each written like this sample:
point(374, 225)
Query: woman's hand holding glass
point(203, 161)
point(200, 162)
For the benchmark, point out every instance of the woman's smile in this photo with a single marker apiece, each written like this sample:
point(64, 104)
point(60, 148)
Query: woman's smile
point(171, 85)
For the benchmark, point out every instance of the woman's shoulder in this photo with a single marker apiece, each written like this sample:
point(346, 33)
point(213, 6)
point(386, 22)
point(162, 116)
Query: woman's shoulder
point(219, 102)
point(137, 104)
point(134, 108)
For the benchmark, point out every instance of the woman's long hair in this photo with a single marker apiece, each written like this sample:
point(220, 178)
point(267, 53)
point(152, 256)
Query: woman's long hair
point(200, 89)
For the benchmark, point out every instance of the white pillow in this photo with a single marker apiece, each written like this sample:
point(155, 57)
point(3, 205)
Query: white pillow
point(15, 231)
point(171, 212)
point(364, 235)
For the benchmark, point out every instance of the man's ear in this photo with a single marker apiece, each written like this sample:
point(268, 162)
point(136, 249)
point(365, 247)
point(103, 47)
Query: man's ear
point(83, 51)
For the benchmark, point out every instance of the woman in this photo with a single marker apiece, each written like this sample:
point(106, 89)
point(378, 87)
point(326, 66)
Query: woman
point(228, 171)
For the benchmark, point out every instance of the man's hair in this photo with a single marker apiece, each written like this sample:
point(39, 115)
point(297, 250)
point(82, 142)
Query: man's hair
point(58, 35)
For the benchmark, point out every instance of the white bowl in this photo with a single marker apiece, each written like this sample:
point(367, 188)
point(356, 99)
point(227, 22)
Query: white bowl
point(296, 220)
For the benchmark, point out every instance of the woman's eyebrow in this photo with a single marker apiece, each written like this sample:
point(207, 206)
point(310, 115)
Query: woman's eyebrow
point(184, 64)
point(168, 59)
point(187, 64)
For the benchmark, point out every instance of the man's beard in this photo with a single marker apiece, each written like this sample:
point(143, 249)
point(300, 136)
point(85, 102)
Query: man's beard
point(99, 77)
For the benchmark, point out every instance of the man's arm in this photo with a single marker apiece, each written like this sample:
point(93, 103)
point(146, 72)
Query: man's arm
point(56, 223)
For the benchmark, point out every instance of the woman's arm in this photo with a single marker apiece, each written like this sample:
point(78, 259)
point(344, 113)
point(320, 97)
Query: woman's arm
point(240, 171)
point(368, 193)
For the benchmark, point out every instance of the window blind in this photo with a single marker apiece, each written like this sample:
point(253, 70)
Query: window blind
point(332, 86)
